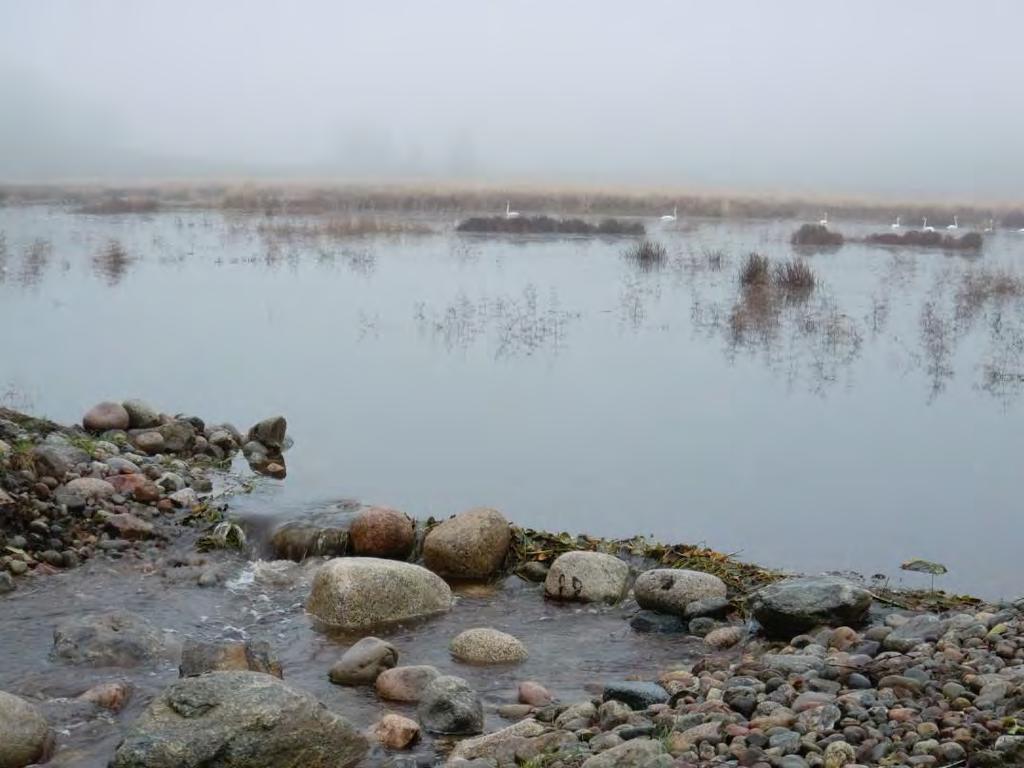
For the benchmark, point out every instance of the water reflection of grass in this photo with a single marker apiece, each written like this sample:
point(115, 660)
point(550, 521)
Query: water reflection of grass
point(517, 325)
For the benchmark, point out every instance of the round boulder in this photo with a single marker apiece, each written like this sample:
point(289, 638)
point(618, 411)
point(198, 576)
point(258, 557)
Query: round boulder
point(104, 416)
point(487, 646)
point(471, 545)
point(238, 720)
point(789, 607)
point(141, 415)
point(357, 593)
point(405, 683)
point(588, 577)
point(90, 488)
point(396, 732)
point(363, 662)
point(670, 590)
point(382, 532)
point(450, 707)
point(25, 736)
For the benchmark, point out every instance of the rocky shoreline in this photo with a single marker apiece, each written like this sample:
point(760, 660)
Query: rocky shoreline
point(793, 671)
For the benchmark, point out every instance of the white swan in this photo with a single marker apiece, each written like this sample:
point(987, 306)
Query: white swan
point(925, 226)
point(509, 213)
point(672, 216)
point(955, 224)
point(824, 222)
point(895, 224)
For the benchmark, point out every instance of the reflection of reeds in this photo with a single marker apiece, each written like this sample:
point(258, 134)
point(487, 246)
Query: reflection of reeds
point(35, 261)
point(112, 262)
point(755, 270)
point(980, 287)
point(339, 228)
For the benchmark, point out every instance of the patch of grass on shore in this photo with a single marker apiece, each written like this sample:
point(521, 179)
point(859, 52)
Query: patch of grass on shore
point(816, 235)
point(971, 241)
point(547, 225)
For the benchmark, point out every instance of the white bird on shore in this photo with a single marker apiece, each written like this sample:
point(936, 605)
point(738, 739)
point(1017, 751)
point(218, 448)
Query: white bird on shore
point(671, 216)
point(925, 226)
point(895, 224)
point(955, 224)
point(509, 213)
point(824, 222)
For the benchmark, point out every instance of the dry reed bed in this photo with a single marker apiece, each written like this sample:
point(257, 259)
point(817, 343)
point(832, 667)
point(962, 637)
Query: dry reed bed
point(316, 198)
point(339, 228)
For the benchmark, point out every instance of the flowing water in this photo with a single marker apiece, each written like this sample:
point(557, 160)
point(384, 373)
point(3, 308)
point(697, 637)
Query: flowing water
point(876, 420)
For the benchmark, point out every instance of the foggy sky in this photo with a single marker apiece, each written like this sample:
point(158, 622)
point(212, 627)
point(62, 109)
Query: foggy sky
point(920, 97)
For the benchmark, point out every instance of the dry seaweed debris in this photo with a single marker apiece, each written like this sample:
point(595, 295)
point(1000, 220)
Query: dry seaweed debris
point(529, 544)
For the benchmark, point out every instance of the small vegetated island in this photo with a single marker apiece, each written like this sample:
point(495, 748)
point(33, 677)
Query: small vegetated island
point(971, 241)
point(548, 225)
point(821, 236)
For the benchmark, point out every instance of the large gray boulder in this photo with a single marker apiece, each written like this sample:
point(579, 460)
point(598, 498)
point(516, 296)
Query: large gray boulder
point(789, 607)
point(25, 736)
point(925, 628)
point(356, 593)
point(588, 577)
point(114, 639)
point(449, 706)
point(104, 416)
point(670, 590)
point(269, 432)
point(238, 720)
point(471, 545)
point(141, 415)
point(53, 459)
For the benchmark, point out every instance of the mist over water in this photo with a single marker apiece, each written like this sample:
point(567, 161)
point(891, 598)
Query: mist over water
point(909, 99)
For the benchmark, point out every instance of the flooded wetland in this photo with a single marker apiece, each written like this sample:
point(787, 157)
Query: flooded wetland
point(831, 409)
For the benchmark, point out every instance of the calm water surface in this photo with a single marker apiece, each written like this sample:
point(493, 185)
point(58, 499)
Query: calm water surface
point(875, 421)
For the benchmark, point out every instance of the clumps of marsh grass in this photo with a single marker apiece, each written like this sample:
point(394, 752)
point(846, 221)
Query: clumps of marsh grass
point(755, 271)
point(971, 241)
point(794, 277)
point(816, 235)
point(547, 225)
point(791, 278)
point(646, 254)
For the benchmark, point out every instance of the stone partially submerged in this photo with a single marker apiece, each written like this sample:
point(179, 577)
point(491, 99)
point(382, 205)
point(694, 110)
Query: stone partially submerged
point(113, 639)
point(449, 706)
point(471, 545)
point(587, 577)
point(671, 590)
point(792, 606)
point(357, 593)
point(238, 720)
